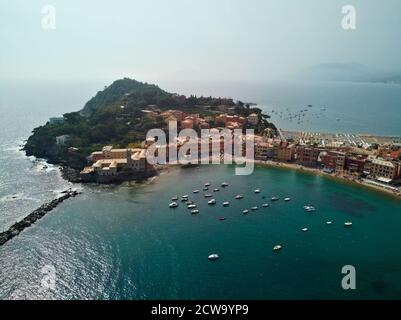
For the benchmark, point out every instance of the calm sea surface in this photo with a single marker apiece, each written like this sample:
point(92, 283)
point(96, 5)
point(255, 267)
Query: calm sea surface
point(124, 242)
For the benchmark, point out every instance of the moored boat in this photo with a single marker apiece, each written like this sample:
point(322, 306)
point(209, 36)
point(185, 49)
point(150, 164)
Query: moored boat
point(277, 247)
point(211, 202)
point(257, 191)
point(195, 211)
point(213, 256)
point(348, 224)
point(239, 196)
point(226, 203)
point(265, 205)
point(245, 211)
point(173, 205)
point(275, 198)
point(224, 184)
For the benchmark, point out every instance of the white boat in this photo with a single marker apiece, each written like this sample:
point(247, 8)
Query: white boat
point(195, 191)
point(184, 199)
point(348, 224)
point(224, 184)
point(226, 203)
point(192, 206)
point(287, 199)
point(254, 208)
point(208, 195)
point(196, 211)
point(309, 208)
point(173, 205)
point(213, 256)
point(277, 247)
point(239, 196)
point(216, 190)
point(211, 202)
point(304, 229)
point(205, 189)
point(174, 198)
point(185, 196)
point(265, 205)
point(257, 190)
point(329, 223)
point(274, 198)
point(245, 211)
point(207, 184)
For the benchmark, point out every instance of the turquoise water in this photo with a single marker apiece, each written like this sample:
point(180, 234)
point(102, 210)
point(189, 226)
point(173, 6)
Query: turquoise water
point(124, 242)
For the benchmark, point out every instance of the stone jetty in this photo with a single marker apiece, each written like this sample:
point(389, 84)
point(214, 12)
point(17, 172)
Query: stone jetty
point(35, 215)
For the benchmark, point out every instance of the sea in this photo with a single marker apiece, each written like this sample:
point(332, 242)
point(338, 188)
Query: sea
point(124, 242)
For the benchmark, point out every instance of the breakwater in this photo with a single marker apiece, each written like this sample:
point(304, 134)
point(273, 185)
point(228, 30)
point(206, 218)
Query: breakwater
point(35, 215)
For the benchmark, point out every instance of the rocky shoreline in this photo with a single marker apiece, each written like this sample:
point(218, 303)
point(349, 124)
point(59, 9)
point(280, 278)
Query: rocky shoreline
point(35, 215)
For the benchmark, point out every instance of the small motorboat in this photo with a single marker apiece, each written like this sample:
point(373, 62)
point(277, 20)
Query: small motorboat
point(173, 205)
point(287, 199)
point(211, 202)
point(224, 184)
point(205, 189)
point(348, 224)
point(195, 191)
point(254, 208)
point(174, 198)
point(304, 229)
point(222, 218)
point(257, 190)
point(195, 211)
point(207, 184)
point(309, 208)
point(329, 223)
point(208, 195)
point(192, 206)
point(265, 205)
point(213, 256)
point(226, 203)
point(184, 199)
point(274, 198)
point(216, 190)
point(185, 196)
point(245, 211)
point(189, 202)
point(239, 196)
point(277, 247)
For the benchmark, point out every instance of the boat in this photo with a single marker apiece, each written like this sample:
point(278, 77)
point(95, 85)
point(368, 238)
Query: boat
point(195, 191)
point(184, 199)
point(309, 208)
point(245, 211)
point(304, 229)
point(185, 196)
point(208, 195)
point(224, 184)
point(196, 211)
point(348, 224)
point(274, 198)
point(254, 208)
point(192, 206)
point(173, 205)
point(265, 205)
point(216, 190)
point(287, 199)
point(207, 184)
point(277, 247)
point(213, 256)
point(222, 218)
point(212, 202)
point(205, 189)
point(226, 203)
point(190, 202)
point(239, 196)
point(257, 191)
point(174, 198)
point(329, 223)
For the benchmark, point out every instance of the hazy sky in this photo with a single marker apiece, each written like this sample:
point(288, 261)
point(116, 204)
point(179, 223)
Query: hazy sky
point(149, 40)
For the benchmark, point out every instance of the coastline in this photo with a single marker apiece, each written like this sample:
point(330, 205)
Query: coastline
point(338, 178)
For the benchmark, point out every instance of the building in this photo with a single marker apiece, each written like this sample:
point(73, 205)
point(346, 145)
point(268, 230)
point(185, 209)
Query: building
point(61, 140)
point(56, 120)
point(355, 164)
point(284, 152)
point(253, 119)
point(110, 162)
point(384, 170)
point(307, 156)
point(263, 151)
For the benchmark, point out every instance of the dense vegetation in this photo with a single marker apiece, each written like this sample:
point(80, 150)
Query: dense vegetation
point(114, 116)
